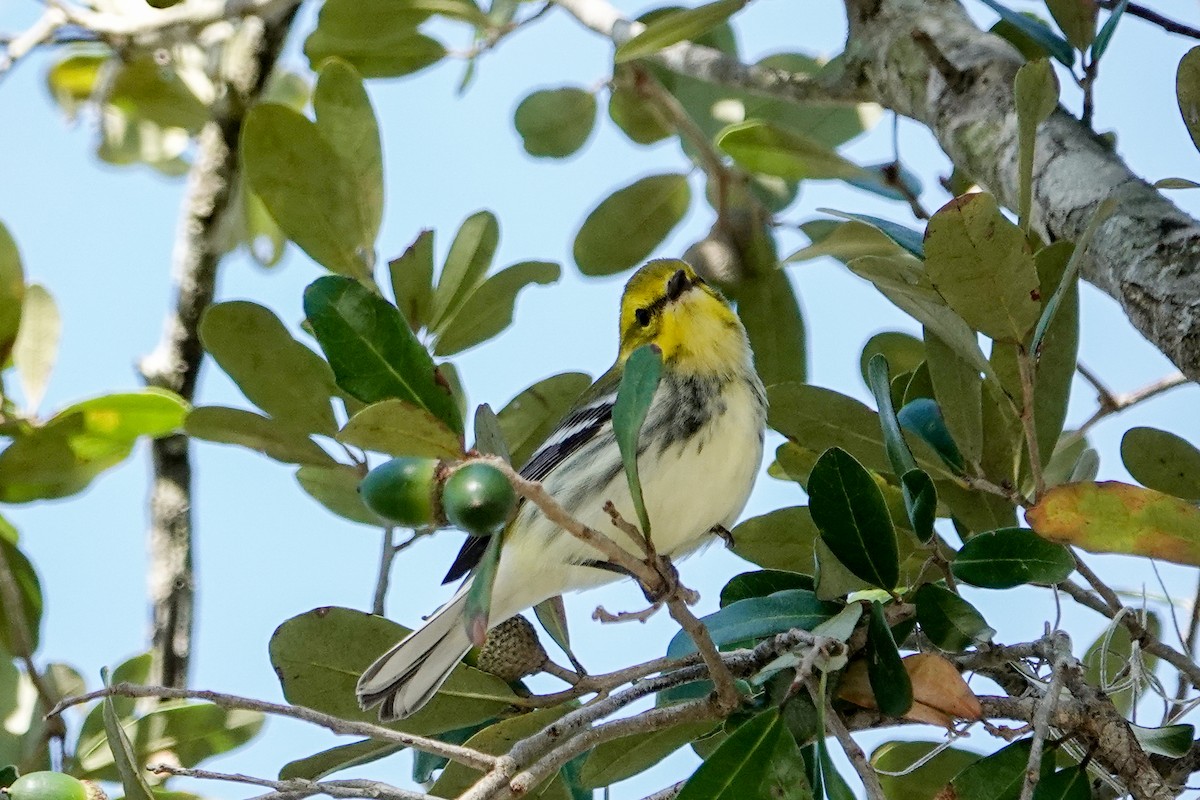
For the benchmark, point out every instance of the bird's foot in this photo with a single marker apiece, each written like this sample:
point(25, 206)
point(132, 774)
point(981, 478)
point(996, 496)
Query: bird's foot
point(725, 534)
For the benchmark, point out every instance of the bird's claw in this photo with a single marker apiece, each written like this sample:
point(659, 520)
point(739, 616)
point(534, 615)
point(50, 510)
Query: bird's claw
point(725, 534)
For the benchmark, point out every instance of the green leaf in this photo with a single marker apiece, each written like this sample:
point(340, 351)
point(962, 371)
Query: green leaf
point(676, 26)
point(958, 387)
point(848, 508)
point(478, 609)
point(906, 238)
point(846, 241)
point(531, 416)
point(72, 81)
point(12, 293)
point(319, 655)
point(380, 38)
point(924, 782)
point(310, 191)
point(759, 759)
point(628, 224)
point(1175, 183)
point(552, 615)
point(1113, 517)
point(763, 582)
point(633, 113)
point(769, 311)
point(999, 776)
point(889, 680)
point(412, 281)
point(1162, 461)
point(29, 590)
point(63, 456)
point(639, 382)
point(488, 436)
point(268, 436)
point(904, 353)
point(904, 282)
point(768, 149)
point(923, 418)
point(470, 255)
point(373, 352)
point(1076, 19)
point(781, 539)
point(346, 120)
point(554, 123)
point(277, 373)
point(978, 261)
point(399, 428)
point(150, 91)
point(1068, 282)
point(920, 496)
point(1036, 92)
point(1072, 783)
point(1108, 29)
point(336, 488)
point(36, 347)
point(130, 772)
point(335, 759)
point(618, 759)
point(1058, 351)
point(1010, 557)
point(488, 309)
point(189, 733)
point(758, 617)
point(425, 764)
point(1172, 741)
point(1053, 44)
point(497, 740)
point(1112, 665)
point(949, 621)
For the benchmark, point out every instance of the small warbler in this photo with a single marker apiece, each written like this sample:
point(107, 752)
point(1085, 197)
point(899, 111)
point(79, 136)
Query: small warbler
point(699, 452)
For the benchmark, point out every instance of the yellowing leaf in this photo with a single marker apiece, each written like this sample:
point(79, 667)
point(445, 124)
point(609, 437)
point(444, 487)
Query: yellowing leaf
point(1114, 517)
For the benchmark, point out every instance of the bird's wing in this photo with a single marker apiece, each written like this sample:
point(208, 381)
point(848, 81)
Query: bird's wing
point(591, 412)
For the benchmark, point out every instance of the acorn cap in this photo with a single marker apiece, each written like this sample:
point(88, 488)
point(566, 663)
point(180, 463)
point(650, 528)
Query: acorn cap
point(512, 650)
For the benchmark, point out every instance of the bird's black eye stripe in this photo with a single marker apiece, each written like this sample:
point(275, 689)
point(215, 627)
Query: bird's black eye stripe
point(677, 285)
point(643, 316)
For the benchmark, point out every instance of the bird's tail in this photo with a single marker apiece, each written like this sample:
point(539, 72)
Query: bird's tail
point(404, 678)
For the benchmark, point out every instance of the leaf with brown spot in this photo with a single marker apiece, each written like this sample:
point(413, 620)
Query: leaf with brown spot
point(1114, 517)
point(940, 695)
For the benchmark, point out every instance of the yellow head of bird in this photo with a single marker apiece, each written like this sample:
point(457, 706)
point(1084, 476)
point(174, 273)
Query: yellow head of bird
point(666, 303)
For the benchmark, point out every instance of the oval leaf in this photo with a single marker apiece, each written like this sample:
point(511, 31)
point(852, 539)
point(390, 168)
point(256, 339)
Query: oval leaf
point(36, 345)
point(1010, 557)
point(626, 227)
point(554, 123)
point(764, 148)
point(468, 261)
point(782, 539)
point(1113, 517)
point(373, 352)
point(949, 621)
point(677, 26)
point(488, 310)
point(639, 382)
point(1162, 461)
point(530, 416)
point(852, 515)
point(759, 617)
point(268, 436)
point(401, 429)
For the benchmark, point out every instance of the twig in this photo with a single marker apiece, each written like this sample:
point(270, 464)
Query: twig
point(589, 684)
point(298, 787)
point(175, 362)
point(40, 32)
point(1045, 710)
point(1103, 589)
point(606, 617)
point(669, 793)
point(386, 556)
point(858, 759)
point(1150, 15)
point(1189, 649)
point(1110, 403)
point(463, 755)
point(711, 65)
point(1087, 83)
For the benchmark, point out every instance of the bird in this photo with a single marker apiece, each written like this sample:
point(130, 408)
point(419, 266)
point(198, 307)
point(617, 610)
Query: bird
point(699, 451)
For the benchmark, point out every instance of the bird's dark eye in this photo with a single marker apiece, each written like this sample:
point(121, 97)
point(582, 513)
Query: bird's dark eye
point(675, 287)
point(642, 315)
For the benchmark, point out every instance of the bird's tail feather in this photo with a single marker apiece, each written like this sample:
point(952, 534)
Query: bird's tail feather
point(404, 678)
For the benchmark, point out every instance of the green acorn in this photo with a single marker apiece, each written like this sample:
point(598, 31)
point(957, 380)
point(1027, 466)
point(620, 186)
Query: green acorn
point(478, 498)
point(47, 786)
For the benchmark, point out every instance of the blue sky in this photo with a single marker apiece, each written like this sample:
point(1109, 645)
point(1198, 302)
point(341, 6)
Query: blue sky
point(100, 238)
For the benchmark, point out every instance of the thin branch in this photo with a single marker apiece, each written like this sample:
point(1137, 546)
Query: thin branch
point(1150, 15)
point(669, 793)
point(1103, 589)
point(463, 755)
point(1041, 718)
point(175, 362)
point(858, 759)
point(1111, 403)
point(711, 65)
point(40, 32)
point(295, 788)
point(386, 556)
point(1189, 649)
